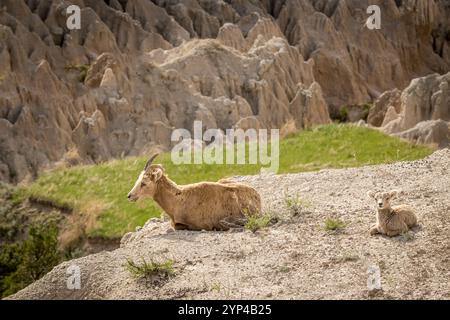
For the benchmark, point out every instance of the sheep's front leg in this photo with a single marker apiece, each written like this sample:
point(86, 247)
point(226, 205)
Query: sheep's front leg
point(374, 230)
point(178, 226)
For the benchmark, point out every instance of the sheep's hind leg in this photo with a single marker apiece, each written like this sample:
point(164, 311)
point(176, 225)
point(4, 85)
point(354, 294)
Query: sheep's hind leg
point(392, 233)
point(374, 230)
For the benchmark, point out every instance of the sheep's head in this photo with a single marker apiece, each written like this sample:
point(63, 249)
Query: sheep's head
point(145, 185)
point(383, 199)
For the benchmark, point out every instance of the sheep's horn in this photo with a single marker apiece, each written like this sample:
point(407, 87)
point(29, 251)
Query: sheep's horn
point(149, 162)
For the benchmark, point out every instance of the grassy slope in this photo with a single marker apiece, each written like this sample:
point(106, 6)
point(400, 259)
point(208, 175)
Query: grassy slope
point(101, 190)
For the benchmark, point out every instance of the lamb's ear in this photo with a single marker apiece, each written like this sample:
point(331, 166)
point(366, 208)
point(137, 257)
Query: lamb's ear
point(157, 174)
point(393, 194)
point(371, 194)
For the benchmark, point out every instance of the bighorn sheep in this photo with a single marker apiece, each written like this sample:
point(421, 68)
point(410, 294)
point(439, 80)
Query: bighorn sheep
point(198, 206)
point(391, 221)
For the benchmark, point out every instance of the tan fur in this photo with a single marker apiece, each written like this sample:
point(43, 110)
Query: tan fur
point(391, 221)
point(199, 206)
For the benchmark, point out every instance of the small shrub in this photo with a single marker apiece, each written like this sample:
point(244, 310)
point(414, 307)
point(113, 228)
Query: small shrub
point(23, 263)
point(333, 224)
point(146, 269)
point(346, 257)
point(343, 114)
point(216, 287)
point(254, 223)
point(284, 269)
point(366, 111)
point(295, 204)
point(81, 68)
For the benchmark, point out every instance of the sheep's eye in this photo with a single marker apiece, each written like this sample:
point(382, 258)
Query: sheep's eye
point(143, 184)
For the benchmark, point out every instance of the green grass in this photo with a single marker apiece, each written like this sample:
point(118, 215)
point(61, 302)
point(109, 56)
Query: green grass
point(100, 191)
point(146, 269)
point(333, 224)
point(254, 223)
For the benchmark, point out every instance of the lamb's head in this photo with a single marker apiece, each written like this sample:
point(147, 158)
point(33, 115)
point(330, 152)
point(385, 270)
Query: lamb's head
point(146, 183)
point(383, 199)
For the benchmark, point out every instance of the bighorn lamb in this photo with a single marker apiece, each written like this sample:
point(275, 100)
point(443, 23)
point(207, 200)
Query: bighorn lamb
point(198, 206)
point(391, 221)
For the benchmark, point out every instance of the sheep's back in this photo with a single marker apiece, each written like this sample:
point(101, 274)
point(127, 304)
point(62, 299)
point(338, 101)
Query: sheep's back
point(406, 213)
point(207, 204)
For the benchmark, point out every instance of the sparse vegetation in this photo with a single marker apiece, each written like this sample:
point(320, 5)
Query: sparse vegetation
point(255, 223)
point(295, 204)
point(144, 269)
point(81, 68)
point(332, 224)
point(99, 191)
point(216, 287)
point(284, 269)
point(25, 262)
point(346, 257)
point(343, 114)
point(366, 109)
point(407, 236)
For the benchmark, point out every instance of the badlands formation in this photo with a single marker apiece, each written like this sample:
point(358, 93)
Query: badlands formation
point(138, 69)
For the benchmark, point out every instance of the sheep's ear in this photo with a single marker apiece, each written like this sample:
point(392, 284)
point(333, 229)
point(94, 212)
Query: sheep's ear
point(393, 194)
point(157, 174)
point(371, 194)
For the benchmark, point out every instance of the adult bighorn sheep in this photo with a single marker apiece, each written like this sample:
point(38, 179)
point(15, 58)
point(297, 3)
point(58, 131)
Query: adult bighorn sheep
point(198, 206)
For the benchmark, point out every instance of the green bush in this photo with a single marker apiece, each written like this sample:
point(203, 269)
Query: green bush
point(25, 262)
point(343, 114)
point(256, 222)
point(332, 224)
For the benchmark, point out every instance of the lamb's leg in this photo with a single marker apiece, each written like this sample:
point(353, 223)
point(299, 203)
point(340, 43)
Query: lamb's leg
point(411, 221)
point(374, 230)
point(402, 229)
point(393, 233)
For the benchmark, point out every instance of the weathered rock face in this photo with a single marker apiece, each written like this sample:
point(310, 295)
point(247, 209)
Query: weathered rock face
point(420, 113)
point(138, 69)
point(429, 132)
point(388, 100)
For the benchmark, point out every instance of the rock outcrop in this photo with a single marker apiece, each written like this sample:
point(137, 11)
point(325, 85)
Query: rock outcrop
point(137, 69)
point(420, 113)
point(432, 132)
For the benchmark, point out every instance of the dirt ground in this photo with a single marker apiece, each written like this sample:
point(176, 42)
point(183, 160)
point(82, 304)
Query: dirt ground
point(295, 258)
